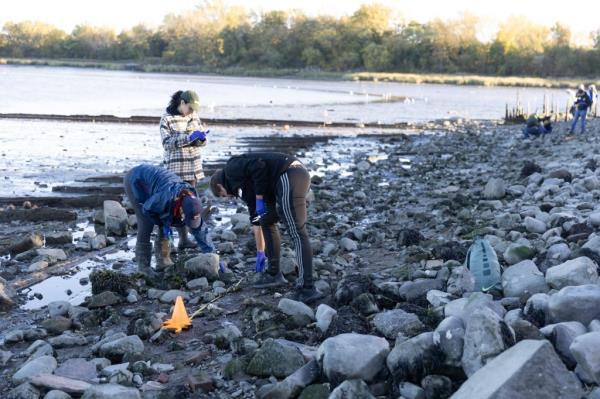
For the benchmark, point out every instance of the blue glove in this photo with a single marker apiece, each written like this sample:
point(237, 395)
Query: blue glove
point(167, 232)
point(260, 207)
point(221, 267)
point(198, 135)
point(261, 261)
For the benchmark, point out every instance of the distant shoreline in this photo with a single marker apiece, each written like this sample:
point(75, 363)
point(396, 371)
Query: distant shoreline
point(414, 78)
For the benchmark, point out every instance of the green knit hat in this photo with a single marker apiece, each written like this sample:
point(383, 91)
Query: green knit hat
point(191, 98)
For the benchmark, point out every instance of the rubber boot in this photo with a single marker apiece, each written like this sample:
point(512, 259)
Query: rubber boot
point(143, 256)
point(162, 248)
point(184, 239)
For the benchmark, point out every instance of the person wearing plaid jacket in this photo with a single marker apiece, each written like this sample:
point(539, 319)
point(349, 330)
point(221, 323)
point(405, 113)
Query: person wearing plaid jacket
point(182, 136)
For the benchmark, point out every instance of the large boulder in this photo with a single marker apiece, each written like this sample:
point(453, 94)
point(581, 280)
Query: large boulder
point(299, 312)
point(585, 351)
point(575, 303)
point(203, 265)
point(349, 356)
point(449, 336)
point(275, 359)
point(115, 218)
point(392, 322)
point(414, 358)
point(523, 280)
point(116, 349)
point(577, 271)
point(37, 366)
point(529, 370)
point(486, 336)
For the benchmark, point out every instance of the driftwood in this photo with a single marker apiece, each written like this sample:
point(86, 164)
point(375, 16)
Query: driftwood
point(37, 215)
point(33, 240)
point(90, 189)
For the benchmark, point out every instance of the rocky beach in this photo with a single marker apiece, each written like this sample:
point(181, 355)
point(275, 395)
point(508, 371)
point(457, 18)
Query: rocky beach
point(391, 219)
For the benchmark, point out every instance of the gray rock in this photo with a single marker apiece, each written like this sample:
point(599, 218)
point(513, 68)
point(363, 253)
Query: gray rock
point(56, 325)
point(103, 299)
point(203, 265)
point(59, 308)
point(115, 218)
point(39, 348)
point(494, 189)
point(24, 391)
point(585, 351)
point(558, 252)
point(577, 271)
point(324, 315)
point(449, 336)
point(352, 389)
point(416, 291)
point(348, 245)
point(518, 252)
point(8, 294)
point(171, 295)
point(533, 225)
point(77, 369)
point(411, 391)
point(111, 391)
point(530, 369)
point(40, 365)
point(292, 385)
point(578, 303)
point(523, 280)
point(439, 298)
point(56, 394)
point(392, 322)
point(67, 340)
point(536, 309)
point(486, 336)
point(5, 357)
point(562, 337)
point(594, 219)
point(118, 348)
point(348, 356)
point(275, 359)
point(98, 242)
point(300, 313)
point(198, 284)
point(413, 359)
point(460, 282)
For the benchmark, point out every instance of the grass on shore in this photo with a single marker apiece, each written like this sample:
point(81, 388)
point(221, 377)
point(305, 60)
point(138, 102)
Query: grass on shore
point(416, 78)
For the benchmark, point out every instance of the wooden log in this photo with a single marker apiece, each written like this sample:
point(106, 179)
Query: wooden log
point(37, 215)
point(30, 241)
point(90, 189)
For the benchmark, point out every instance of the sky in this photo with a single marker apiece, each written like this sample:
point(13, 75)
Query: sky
point(119, 14)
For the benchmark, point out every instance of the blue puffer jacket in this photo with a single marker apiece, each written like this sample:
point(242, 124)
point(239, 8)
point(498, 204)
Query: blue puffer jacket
point(157, 189)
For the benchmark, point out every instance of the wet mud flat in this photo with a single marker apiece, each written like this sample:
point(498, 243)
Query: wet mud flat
point(390, 223)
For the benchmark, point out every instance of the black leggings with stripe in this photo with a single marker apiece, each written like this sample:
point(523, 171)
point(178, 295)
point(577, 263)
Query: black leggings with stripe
point(291, 190)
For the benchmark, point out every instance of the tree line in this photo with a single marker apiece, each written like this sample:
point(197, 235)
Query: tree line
point(214, 36)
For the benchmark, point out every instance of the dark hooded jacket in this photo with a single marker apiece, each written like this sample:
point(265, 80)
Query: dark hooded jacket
point(157, 189)
point(252, 174)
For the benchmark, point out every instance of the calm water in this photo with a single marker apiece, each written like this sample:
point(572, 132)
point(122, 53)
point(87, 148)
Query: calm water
point(31, 89)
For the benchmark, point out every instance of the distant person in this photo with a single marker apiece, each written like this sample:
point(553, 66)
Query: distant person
point(182, 135)
point(273, 185)
point(159, 197)
point(537, 126)
point(593, 94)
point(582, 104)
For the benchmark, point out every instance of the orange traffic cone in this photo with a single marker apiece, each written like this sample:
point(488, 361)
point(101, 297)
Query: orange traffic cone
point(180, 319)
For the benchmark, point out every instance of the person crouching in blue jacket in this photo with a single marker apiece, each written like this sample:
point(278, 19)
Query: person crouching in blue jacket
point(160, 197)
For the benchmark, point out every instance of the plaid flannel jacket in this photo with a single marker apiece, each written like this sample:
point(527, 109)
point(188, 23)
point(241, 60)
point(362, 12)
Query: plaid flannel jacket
point(181, 156)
